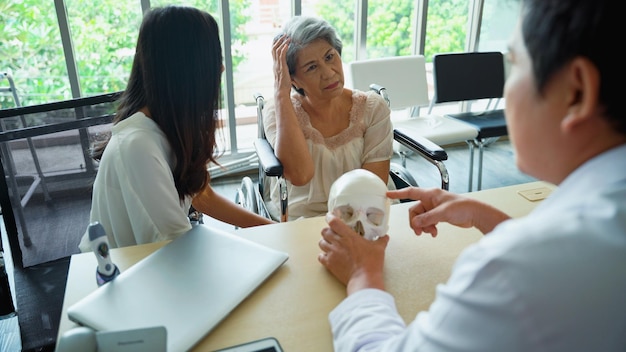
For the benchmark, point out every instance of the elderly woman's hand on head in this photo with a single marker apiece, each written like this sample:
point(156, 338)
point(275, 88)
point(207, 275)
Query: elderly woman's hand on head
point(352, 259)
point(282, 78)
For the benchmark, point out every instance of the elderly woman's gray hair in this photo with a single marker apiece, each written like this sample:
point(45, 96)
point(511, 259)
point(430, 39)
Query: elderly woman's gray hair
point(303, 30)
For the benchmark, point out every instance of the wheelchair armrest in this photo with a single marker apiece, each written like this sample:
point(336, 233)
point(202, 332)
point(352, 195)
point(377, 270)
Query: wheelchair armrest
point(376, 87)
point(382, 91)
point(267, 159)
point(420, 144)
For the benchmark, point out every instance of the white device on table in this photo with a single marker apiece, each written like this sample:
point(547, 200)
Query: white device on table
point(188, 286)
point(268, 344)
point(84, 339)
point(106, 270)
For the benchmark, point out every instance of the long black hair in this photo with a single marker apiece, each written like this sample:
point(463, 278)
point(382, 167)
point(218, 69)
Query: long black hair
point(176, 74)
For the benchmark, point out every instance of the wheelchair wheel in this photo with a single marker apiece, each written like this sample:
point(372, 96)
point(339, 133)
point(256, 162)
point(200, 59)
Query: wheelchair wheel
point(247, 195)
point(401, 176)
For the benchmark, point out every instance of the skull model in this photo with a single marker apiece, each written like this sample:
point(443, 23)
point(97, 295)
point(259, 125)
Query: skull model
point(358, 198)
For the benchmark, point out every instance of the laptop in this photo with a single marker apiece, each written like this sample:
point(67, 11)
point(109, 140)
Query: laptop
point(187, 286)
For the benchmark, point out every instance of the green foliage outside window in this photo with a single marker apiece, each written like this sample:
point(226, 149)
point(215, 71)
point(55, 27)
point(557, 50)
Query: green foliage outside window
point(30, 49)
point(389, 28)
point(446, 27)
point(390, 23)
point(104, 35)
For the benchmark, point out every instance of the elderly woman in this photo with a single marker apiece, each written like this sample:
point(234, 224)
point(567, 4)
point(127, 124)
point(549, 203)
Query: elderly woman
point(318, 128)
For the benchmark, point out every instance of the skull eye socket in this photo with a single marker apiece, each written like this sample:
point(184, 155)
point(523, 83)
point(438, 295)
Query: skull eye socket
point(344, 212)
point(375, 216)
point(347, 213)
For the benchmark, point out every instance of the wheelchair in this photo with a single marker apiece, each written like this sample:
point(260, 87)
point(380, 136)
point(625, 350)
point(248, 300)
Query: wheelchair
point(256, 196)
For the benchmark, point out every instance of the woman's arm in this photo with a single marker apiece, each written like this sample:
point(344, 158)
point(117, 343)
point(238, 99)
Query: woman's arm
point(378, 139)
point(220, 208)
point(289, 145)
point(380, 168)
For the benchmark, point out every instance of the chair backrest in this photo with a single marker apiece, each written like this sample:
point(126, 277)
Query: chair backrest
point(468, 76)
point(404, 77)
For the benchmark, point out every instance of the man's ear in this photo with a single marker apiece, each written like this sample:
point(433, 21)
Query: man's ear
point(583, 81)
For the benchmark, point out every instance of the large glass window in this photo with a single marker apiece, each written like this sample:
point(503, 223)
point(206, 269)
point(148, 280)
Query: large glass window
point(254, 71)
point(237, 128)
point(498, 21)
point(104, 35)
point(446, 27)
point(31, 51)
point(340, 14)
point(447, 24)
point(390, 28)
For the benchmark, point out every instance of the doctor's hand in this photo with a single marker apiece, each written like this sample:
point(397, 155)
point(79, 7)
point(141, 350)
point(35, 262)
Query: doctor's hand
point(435, 205)
point(282, 78)
point(352, 259)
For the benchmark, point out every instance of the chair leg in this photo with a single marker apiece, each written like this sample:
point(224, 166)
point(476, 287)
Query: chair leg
point(481, 148)
point(44, 186)
point(284, 199)
point(470, 145)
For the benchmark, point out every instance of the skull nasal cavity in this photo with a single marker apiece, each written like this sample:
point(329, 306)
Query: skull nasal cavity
point(358, 227)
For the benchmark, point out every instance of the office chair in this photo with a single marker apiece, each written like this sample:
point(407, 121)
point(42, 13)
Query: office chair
point(403, 78)
point(256, 196)
point(470, 77)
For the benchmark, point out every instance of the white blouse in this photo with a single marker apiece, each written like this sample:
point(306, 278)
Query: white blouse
point(368, 138)
point(134, 195)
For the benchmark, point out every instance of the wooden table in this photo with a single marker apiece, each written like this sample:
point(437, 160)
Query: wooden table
point(294, 303)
